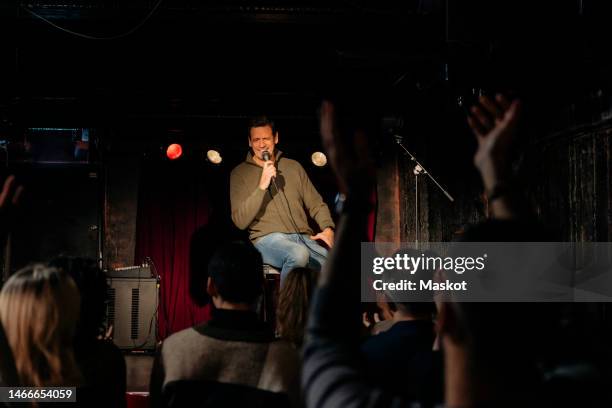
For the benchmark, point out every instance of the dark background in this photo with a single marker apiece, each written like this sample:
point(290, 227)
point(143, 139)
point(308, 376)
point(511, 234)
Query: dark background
point(143, 73)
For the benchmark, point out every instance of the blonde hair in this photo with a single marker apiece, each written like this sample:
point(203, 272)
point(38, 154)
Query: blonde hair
point(39, 308)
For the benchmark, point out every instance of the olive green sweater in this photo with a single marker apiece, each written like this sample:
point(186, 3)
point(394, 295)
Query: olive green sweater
point(264, 212)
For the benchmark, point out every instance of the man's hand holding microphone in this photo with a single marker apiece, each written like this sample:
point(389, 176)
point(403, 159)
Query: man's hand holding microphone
point(268, 172)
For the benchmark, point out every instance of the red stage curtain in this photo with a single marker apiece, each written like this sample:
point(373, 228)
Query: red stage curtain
point(172, 203)
point(372, 216)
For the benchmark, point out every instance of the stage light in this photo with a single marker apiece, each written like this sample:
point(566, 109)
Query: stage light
point(174, 151)
point(318, 159)
point(214, 156)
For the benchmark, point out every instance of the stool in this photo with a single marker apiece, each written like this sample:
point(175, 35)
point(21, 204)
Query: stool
point(270, 298)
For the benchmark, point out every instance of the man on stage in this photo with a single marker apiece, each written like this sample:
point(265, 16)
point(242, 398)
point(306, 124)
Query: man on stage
point(270, 195)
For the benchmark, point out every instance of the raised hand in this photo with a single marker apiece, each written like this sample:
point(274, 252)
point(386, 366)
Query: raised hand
point(11, 192)
point(494, 123)
point(9, 200)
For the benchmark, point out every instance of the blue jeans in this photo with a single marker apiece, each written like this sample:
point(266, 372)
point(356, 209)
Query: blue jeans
point(287, 251)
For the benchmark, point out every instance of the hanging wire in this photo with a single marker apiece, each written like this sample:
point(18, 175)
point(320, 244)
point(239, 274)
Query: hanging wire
point(91, 37)
point(379, 11)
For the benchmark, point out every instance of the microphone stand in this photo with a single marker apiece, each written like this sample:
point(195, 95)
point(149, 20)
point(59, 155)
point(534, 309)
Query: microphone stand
point(417, 171)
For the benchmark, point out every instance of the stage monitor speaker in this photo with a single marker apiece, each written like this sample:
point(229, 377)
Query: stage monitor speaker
point(132, 312)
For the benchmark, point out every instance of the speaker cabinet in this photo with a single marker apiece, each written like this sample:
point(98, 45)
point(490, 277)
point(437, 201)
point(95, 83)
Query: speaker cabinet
point(132, 311)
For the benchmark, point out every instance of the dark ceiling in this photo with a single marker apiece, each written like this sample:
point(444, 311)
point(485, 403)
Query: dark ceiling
point(188, 61)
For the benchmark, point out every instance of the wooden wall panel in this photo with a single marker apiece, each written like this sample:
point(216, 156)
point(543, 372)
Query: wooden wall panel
point(566, 179)
point(120, 210)
point(388, 206)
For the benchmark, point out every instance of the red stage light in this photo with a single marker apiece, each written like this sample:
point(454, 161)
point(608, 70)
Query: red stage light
point(174, 151)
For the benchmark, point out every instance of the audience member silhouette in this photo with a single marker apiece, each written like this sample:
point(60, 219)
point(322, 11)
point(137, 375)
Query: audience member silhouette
point(475, 370)
point(8, 371)
point(232, 360)
point(39, 308)
point(9, 198)
point(100, 361)
point(401, 359)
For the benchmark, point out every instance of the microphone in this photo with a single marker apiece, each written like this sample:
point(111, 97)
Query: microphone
point(266, 156)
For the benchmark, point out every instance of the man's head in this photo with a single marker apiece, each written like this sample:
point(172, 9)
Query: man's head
point(422, 308)
point(235, 276)
point(263, 136)
point(420, 305)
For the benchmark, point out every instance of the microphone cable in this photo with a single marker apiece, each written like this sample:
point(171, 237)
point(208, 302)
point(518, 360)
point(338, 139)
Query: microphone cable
point(294, 224)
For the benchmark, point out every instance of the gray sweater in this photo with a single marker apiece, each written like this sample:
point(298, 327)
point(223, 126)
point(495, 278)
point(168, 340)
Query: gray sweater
point(233, 348)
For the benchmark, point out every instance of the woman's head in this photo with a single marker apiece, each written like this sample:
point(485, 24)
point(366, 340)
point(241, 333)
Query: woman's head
point(293, 304)
point(39, 308)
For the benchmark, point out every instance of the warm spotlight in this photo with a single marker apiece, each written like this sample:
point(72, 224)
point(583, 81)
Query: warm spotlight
point(214, 156)
point(318, 159)
point(174, 151)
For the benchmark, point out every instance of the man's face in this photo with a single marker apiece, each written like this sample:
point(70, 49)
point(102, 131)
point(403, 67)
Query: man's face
point(262, 139)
